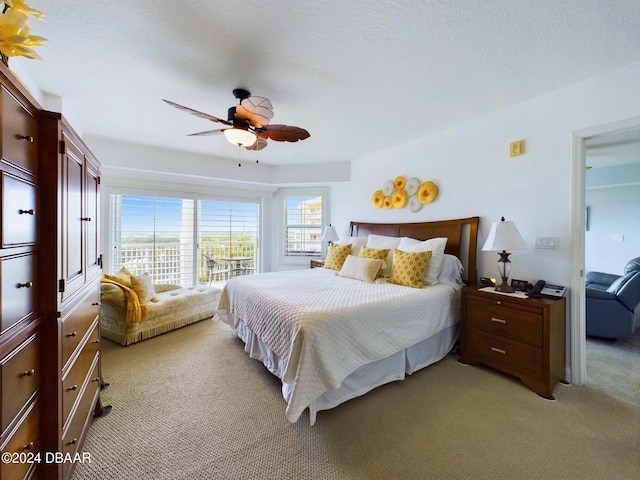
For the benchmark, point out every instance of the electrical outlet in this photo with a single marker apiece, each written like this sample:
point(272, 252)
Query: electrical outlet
point(516, 148)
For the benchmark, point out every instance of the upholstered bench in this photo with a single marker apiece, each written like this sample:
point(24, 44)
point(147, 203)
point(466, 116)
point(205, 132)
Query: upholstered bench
point(170, 307)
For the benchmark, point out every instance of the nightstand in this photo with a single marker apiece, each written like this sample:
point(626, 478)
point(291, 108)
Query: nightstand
point(523, 337)
point(317, 264)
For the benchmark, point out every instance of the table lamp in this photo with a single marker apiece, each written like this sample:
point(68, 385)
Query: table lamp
point(502, 237)
point(329, 235)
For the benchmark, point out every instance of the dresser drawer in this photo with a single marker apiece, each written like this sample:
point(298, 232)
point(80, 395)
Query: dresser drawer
point(24, 440)
point(19, 130)
point(81, 416)
point(503, 353)
point(18, 211)
point(78, 322)
point(18, 275)
point(72, 383)
point(20, 375)
point(517, 324)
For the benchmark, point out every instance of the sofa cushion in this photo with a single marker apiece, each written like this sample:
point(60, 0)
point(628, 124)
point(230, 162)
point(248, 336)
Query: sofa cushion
point(143, 286)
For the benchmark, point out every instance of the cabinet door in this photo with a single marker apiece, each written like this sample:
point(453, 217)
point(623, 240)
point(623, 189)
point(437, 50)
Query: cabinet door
point(19, 128)
point(92, 218)
point(72, 268)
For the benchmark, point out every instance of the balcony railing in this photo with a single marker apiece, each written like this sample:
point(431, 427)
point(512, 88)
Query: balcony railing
point(174, 262)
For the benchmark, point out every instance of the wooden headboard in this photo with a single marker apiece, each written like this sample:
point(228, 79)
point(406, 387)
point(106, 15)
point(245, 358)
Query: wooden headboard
point(462, 235)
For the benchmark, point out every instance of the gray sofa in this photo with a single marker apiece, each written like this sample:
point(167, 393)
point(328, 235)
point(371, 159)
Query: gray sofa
point(613, 302)
point(173, 307)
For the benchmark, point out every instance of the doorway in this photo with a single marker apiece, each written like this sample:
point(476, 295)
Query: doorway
point(582, 140)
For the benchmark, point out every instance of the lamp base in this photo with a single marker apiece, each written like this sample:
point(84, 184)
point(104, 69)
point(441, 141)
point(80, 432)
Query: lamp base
point(504, 287)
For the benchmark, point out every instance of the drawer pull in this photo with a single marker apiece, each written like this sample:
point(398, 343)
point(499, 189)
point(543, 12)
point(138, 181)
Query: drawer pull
point(95, 304)
point(28, 138)
point(72, 388)
point(24, 285)
point(28, 446)
point(72, 334)
point(498, 320)
point(31, 211)
point(73, 442)
point(96, 341)
point(497, 350)
point(97, 379)
point(29, 373)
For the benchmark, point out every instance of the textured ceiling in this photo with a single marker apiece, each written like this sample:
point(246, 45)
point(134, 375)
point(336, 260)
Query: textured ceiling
point(360, 76)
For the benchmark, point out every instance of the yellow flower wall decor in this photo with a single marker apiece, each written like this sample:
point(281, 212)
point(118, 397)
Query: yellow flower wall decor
point(15, 37)
point(402, 192)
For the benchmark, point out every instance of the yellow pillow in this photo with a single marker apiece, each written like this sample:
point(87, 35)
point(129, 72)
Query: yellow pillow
point(123, 277)
point(337, 255)
point(409, 268)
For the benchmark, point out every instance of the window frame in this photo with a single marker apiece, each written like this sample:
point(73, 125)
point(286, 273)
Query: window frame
point(282, 196)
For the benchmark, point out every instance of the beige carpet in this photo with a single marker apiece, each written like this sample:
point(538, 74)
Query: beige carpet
point(191, 405)
point(613, 367)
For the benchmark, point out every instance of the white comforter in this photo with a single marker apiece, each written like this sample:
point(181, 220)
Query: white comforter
point(323, 327)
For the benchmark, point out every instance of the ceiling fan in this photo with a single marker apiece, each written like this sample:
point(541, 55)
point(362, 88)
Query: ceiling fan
point(248, 122)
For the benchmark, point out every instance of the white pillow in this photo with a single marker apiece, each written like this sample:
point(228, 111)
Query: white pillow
point(436, 245)
point(356, 243)
point(365, 269)
point(383, 241)
point(451, 270)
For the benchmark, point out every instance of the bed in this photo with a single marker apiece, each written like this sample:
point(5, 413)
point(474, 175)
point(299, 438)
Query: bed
point(330, 338)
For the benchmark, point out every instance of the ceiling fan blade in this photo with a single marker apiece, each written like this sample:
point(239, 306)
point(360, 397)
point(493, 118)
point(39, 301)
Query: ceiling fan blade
point(207, 132)
point(196, 112)
point(283, 133)
point(258, 110)
point(258, 145)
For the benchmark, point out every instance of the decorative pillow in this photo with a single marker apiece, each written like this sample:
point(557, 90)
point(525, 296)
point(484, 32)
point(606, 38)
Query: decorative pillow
point(337, 255)
point(436, 245)
point(143, 286)
point(365, 269)
point(383, 241)
point(356, 243)
point(451, 270)
point(409, 268)
point(379, 253)
point(123, 277)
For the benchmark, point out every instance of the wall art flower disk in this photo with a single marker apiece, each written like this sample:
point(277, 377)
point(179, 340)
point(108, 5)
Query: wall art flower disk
point(403, 193)
point(15, 37)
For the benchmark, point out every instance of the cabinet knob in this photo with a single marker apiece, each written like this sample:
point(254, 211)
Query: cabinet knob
point(28, 138)
point(95, 304)
point(24, 285)
point(72, 334)
point(97, 379)
point(96, 341)
point(28, 446)
point(29, 373)
point(31, 211)
point(72, 388)
point(73, 442)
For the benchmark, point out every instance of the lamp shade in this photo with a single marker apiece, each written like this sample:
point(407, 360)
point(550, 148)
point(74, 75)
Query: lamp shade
point(330, 234)
point(240, 137)
point(504, 236)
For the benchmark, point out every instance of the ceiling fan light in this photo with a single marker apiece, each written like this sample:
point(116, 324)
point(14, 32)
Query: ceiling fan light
point(240, 137)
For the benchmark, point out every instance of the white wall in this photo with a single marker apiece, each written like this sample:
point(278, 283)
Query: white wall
point(471, 165)
point(613, 198)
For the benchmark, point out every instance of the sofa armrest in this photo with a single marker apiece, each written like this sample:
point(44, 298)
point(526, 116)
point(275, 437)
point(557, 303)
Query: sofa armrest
point(599, 293)
point(112, 294)
point(600, 278)
point(627, 290)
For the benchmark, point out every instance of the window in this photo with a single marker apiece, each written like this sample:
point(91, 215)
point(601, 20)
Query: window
point(303, 218)
point(168, 237)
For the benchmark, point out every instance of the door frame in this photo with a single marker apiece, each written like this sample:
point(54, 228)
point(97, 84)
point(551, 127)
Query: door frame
point(578, 328)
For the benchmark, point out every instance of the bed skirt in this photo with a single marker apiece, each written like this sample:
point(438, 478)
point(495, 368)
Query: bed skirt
point(362, 380)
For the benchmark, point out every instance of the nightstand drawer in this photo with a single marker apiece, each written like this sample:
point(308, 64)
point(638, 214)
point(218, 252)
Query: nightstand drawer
point(516, 324)
point(508, 355)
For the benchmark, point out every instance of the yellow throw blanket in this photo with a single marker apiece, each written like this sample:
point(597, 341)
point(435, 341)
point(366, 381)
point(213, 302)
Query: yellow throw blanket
point(134, 311)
